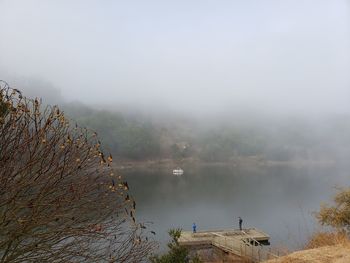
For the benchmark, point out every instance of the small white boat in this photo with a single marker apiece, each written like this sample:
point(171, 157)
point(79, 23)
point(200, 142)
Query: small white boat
point(178, 171)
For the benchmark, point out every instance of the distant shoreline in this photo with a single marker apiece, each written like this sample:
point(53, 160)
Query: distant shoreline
point(251, 161)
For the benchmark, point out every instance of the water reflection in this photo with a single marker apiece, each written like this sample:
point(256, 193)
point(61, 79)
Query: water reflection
point(278, 200)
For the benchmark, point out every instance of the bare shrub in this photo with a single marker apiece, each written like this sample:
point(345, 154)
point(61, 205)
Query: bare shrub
point(60, 200)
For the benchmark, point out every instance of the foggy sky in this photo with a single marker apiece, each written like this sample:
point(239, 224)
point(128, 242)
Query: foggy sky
point(199, 56)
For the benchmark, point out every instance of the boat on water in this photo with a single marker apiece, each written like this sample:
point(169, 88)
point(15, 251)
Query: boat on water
point(178, 171)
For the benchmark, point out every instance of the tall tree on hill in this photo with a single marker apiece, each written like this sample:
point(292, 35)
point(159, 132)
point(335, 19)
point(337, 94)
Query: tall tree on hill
point(60, 200)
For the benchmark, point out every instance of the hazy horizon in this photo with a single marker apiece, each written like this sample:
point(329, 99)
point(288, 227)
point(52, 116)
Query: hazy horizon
point(186, 57)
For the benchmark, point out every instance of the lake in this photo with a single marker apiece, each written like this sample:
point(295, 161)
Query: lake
point(279, 200)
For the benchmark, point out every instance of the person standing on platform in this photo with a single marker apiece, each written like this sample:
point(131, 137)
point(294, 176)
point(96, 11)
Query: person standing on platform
point(240, 223)
point(194, 228)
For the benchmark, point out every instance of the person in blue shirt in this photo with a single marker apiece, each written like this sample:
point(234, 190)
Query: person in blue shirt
point(194, 228)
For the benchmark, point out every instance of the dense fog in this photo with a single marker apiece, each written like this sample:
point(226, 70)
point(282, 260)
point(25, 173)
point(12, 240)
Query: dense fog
point(222, 79)
point(190, 57)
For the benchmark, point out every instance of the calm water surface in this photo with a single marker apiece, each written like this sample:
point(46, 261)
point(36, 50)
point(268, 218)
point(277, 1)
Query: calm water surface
point(278, 200)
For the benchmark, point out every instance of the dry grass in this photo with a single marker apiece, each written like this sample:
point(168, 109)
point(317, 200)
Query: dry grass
point(323, 247)
point(291, 260)
point(321, 239)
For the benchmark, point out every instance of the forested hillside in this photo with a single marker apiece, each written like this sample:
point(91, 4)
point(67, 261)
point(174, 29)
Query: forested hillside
point(134, 133)
point(124, 137)
point(136, 137)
